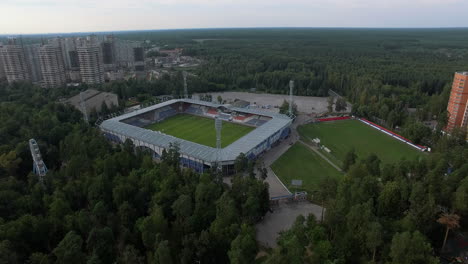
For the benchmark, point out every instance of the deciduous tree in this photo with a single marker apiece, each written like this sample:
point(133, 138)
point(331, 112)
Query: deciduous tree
point(69, 250)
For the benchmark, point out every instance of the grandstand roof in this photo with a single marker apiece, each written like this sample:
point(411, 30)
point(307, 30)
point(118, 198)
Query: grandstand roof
point(208, 154)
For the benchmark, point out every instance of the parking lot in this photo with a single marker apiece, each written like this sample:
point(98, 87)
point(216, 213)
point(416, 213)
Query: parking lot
point(282, 218)
point(305, 104)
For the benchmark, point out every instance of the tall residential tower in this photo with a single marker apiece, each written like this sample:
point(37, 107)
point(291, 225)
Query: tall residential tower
point(108, 52)
point(2, 71)
point(90, 59)
point(31, 53)
point(14, 62)
point(52, 66)
point(458, 106)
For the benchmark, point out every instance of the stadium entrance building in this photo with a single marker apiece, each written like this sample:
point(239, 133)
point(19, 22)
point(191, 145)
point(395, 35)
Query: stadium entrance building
point(270, 128)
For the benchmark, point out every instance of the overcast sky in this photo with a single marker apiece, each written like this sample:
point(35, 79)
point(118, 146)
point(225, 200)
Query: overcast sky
point(57, 16)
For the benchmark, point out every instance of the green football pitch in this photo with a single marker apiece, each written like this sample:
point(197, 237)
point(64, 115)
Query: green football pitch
point(301, 163)
point(342, 136)
point(200, 130)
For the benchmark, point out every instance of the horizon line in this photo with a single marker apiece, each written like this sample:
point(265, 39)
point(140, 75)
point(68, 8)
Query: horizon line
point(214, 28)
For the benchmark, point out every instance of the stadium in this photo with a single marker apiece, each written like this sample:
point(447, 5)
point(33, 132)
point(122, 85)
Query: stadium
point(191, 125)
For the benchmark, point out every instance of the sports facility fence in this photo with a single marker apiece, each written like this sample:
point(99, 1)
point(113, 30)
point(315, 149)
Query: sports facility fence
point(334, 118)
point(392, 134)
point(381, 129)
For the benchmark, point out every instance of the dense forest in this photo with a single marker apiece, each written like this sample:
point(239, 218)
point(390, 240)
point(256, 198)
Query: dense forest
point(104, 203)
point(397, 213)
point(383, 72)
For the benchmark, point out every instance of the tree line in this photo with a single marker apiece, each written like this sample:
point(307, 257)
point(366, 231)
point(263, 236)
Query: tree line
point(103, 203)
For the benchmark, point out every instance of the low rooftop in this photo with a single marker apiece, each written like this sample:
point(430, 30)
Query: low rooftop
point(93, 99)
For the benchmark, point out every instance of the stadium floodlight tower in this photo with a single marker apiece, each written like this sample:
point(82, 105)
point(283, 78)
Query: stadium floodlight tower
point(39, 167)
point(218, 127)
point(291, 87)
point(83, 107)
point(185, 85)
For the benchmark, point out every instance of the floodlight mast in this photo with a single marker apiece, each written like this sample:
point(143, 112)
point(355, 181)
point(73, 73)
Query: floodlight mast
point(218, 127)
point(185, 85)
point(291, 87)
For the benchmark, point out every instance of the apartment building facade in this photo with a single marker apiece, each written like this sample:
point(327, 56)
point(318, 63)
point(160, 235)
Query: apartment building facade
point(90, 59)
point(79, 59)
point(13, 58)
point(458, 102)
point(52, 66)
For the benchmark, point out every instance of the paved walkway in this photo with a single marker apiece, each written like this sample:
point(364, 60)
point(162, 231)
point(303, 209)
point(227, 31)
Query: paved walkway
point(277, 188)
point(283, 216)
point(321, 155)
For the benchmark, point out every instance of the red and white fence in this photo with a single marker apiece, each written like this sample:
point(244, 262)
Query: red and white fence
point(392, 134)
point(382, 129)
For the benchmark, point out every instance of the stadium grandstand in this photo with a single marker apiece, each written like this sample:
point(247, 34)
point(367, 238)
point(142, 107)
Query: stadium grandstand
point(269, 128)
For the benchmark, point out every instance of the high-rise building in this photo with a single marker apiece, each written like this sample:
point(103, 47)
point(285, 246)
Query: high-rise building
point(458, 102)
point(74, 61)
point(84, 59)
point(52, 66)
point(31, 54)
point(90, 59)
point(68, 47)
point(125, 53)
point(2, 70)
point(139, 58)
point(108, 52)
point(14, 62)
point(70, 57)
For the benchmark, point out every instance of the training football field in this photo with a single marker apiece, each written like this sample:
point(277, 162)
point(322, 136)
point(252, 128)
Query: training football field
point(342, 136)
point(301, 163)
point(200, 130)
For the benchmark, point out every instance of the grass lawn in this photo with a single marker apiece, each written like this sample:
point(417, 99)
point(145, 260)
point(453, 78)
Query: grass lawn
point(200, 129)
point(341, 136)
point(301, 163)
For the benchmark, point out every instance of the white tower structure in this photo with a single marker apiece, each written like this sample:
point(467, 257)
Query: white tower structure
point(291, 87)
point(185, 85)
point(39, 167)
point(218, 127)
